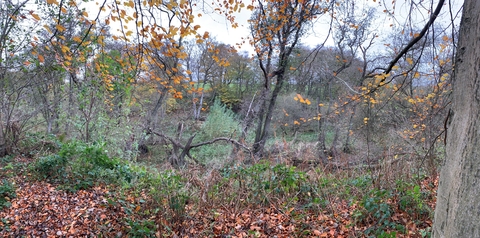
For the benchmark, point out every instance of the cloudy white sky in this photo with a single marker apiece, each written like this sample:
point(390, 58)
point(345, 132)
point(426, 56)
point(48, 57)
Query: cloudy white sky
point(221, 29)
point(385, 24)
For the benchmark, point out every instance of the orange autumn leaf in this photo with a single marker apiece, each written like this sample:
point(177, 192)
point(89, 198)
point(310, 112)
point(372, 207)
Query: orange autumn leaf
point(35, 16)
point(77, 39)
point(60, 28)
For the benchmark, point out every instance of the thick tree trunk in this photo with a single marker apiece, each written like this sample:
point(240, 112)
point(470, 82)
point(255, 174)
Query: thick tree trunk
point(265, 117)
point(457, 212)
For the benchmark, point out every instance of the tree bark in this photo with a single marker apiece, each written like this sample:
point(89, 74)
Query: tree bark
point(262, 132)
point(457, 212)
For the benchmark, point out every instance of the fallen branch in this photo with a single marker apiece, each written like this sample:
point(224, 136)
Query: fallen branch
point(178, 160)
point(222, 139)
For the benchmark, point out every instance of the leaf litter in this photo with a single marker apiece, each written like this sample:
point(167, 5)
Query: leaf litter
point(41, 210)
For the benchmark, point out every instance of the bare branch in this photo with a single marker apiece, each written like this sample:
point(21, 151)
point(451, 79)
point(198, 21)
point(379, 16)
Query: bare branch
point(221, 139)
point(430, 22)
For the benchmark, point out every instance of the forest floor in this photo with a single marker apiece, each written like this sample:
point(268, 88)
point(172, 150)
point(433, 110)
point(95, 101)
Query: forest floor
point(41, 209)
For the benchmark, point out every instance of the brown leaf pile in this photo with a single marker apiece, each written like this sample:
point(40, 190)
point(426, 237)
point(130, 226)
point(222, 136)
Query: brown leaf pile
point(39, 210)
point(269, 222)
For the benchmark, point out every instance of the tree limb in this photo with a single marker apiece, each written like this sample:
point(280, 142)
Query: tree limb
point(188, 146)
point(422, 33)
point(221, 139)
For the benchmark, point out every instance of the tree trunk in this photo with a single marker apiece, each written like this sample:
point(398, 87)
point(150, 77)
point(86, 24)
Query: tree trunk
point(258, 144)
point(457, 212)
point(3, 143)
point(266, 114)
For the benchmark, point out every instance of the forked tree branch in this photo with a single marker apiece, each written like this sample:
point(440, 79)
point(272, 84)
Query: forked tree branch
point(422, 33)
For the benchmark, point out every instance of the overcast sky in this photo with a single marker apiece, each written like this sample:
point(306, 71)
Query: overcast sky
point(220, 28)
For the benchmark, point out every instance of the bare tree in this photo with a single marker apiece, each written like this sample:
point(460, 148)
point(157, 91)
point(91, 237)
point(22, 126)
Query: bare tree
point(276, 29)
point(12, 85)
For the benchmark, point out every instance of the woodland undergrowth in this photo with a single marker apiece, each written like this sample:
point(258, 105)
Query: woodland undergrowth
point(262, 199)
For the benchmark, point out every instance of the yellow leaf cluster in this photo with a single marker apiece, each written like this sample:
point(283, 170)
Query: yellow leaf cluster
point(301, 99)
point(77, 39)
point(409, 61)
point(178, 95)
point(60, 28)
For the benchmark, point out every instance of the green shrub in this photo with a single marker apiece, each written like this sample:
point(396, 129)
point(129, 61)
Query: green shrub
point(362, 182)
point(143, 228)
point(378, 206)
point(375, 209)
point(7, 191)
point(260, 182)
point(411, 199)
point(51, 167)
point(220, 122)
point(168, 189)
point(79, 165)
point(8, 167)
